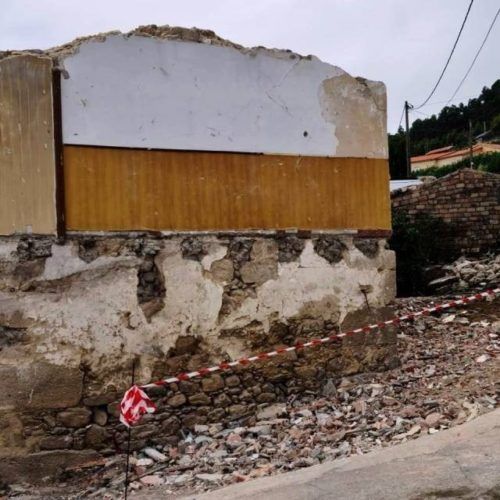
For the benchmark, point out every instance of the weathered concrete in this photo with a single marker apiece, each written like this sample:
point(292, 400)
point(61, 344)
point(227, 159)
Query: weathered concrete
point(76, 315)
point(32, 385)
point(463, 462)
point(46, 465)
point(121, 90)
point(76, 312)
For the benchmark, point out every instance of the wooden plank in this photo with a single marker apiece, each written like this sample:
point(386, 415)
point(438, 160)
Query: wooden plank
point(27, 184)
point(131, 189)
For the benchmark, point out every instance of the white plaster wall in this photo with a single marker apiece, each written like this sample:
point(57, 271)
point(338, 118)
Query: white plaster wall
point(88, 313)
point(145, 92)
point(313, 279)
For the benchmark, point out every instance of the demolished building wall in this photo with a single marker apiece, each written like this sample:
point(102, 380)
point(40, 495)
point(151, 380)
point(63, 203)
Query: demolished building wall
point(74, 317)
point(266, 261)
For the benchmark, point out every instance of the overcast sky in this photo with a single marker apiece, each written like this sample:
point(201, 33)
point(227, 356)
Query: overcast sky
point(404, 43)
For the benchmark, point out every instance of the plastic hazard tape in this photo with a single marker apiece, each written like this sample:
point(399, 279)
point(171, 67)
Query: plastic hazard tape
point(135, 401)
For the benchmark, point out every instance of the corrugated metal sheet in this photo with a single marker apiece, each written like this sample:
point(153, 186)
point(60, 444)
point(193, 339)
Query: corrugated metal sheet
point(27, 183)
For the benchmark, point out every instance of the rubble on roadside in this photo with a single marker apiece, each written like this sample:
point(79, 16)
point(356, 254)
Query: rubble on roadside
point(465, 274)
point(449, 374)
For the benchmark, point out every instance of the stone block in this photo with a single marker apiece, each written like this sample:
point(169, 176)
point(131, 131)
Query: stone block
point(96, 437)
point(222, 270)
point(100, 399)
point(56, 443)
point(258, 272)
point(40, 385)
point(186, 345)
point(266, 397)
point(176, 400)
point(233, 381)
point(213, 383)
point(35, 468)
point(264, 249)
point(199, 399)
point(237, 410)
point(74, 417)
point(222, 400)
point(306, 371)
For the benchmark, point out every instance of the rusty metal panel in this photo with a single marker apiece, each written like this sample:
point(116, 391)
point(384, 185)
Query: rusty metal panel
point(27, 180)
point(132, 189)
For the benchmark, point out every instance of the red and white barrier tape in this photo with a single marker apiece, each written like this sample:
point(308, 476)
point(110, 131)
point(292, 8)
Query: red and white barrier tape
point(131, 418)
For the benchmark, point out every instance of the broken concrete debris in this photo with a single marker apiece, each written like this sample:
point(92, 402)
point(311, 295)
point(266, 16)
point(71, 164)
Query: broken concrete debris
point(466, 273)
point(438, 385)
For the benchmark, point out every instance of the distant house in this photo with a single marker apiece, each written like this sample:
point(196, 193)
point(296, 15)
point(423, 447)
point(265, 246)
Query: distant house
point(447, 155)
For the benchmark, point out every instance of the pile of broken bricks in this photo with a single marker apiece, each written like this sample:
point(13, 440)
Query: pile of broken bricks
point(449, 374)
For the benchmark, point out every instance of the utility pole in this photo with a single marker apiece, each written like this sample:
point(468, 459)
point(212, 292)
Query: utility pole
point(471, 160)
point(408, 157)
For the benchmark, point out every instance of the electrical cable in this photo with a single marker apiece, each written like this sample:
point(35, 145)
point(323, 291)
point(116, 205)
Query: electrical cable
point(401, 119)
point(423, 114)
point(449, 58)
point(475, 57)
point(445, 102)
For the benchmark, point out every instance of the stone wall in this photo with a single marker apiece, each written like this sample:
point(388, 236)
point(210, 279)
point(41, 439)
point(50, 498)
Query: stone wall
point(468, 200)
point(75, 316)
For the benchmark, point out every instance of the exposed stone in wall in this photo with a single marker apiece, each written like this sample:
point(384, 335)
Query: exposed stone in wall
point(151, 283)
point(192, 248)
point(88, 249)
point(330, 248)
point(79, 320)
point(290, 247)
point(30, 248)
point(10, 336)
point(467, 200)
point(368, 246)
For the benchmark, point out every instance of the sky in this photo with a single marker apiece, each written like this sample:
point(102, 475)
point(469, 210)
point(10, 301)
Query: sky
point(404, 43)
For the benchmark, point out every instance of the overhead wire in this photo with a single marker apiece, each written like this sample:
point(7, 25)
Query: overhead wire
point(401, 119)
point(449, 58)
point(445, 102)
point(420, 113)
point(475, 57)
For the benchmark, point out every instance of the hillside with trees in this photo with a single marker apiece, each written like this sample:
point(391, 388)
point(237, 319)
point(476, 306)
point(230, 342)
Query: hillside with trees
point(449, 127)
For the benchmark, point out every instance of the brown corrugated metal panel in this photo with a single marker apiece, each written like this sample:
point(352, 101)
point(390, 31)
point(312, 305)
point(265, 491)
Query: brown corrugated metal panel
point(27, 184)
point(126, 189)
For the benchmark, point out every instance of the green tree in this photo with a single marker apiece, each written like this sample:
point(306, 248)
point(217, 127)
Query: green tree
point(397, 155)
point(448, 128)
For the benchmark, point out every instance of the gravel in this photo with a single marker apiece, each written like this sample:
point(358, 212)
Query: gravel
point(449, 374)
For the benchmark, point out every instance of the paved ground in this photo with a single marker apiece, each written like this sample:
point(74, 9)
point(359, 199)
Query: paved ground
point(463, 462)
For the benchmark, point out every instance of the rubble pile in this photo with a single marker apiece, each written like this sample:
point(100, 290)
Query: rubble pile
point(450, 373)
point(465, 275)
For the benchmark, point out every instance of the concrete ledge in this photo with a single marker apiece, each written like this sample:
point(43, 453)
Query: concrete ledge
point(45, 466)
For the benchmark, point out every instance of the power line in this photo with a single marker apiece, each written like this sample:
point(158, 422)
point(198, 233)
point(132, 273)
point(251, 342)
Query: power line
point(401, 119)
point(475, 57)
point(449, 58)
point(450, 100)
point(420, 113)
point(432, 104)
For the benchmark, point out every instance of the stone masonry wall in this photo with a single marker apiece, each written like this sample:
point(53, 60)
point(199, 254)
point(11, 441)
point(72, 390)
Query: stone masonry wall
point(75, 316)
point(468, 200)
